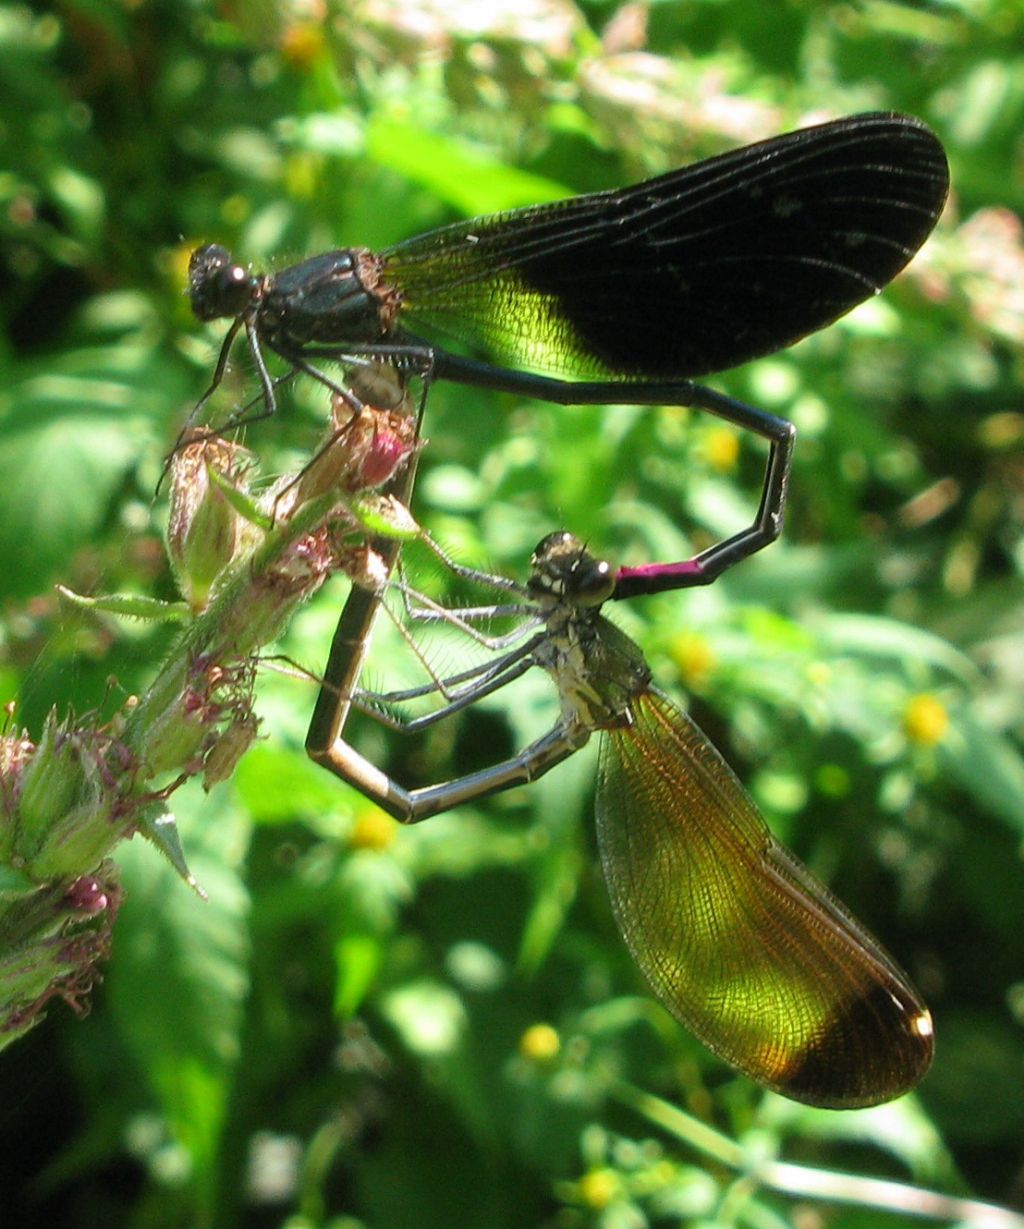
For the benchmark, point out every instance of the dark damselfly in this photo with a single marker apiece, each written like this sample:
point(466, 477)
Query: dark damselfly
point(622, 296)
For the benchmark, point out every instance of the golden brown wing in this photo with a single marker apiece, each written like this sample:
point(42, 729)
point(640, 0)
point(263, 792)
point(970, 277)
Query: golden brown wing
point(741, 943)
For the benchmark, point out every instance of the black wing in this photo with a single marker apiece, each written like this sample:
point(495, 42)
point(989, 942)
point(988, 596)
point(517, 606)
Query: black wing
point(693, 272)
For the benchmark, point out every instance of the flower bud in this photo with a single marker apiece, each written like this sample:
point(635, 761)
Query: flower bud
point(222, 758)
point(391, 444)
point(64, 934)
point(87, 895)
point(16, 753)
point(205, 530)
point(49, 783)
point(83, 836)
point(69, 816)
point(364, 450)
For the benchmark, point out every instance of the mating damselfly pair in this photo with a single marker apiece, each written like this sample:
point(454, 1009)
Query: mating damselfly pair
point(626, 296)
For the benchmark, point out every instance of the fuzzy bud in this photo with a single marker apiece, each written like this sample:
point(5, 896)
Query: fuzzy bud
point(64, 935)
point(364, 450)
point(49, 783)
point(390, 446)
point(222, 758)
point(16, 753)
point(205, 530)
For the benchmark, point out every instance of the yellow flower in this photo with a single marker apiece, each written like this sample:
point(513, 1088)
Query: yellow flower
point(721, 447)
point(925, 720)
point(598, 1188)
point(540, 1043)
point(373, 829)
point(302, 45)
point(694, 657)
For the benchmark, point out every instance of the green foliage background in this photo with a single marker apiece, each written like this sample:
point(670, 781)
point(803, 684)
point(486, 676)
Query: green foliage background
point(343, 1034)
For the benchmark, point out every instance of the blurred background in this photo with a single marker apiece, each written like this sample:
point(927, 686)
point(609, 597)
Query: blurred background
point(440, 1026)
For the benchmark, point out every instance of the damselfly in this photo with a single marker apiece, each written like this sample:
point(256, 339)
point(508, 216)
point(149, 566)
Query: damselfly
point(736, 937)
point(617, 296)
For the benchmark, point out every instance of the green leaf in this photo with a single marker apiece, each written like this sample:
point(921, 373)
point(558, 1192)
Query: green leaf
point(278, 786)
point(877, 637)
point(359, 958)
point(177, 987)
point(429, 1017)
point(59, 476)
point(243, 503)
point(989, 766)
point(901, 1128)
point(451, 170)
point(160, 827)
point(69, 431)
point(380, 514)
point(129, 605)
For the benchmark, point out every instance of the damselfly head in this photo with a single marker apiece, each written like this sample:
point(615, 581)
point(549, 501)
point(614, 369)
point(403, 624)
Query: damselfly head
point(217, 286)
point(562, 567)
